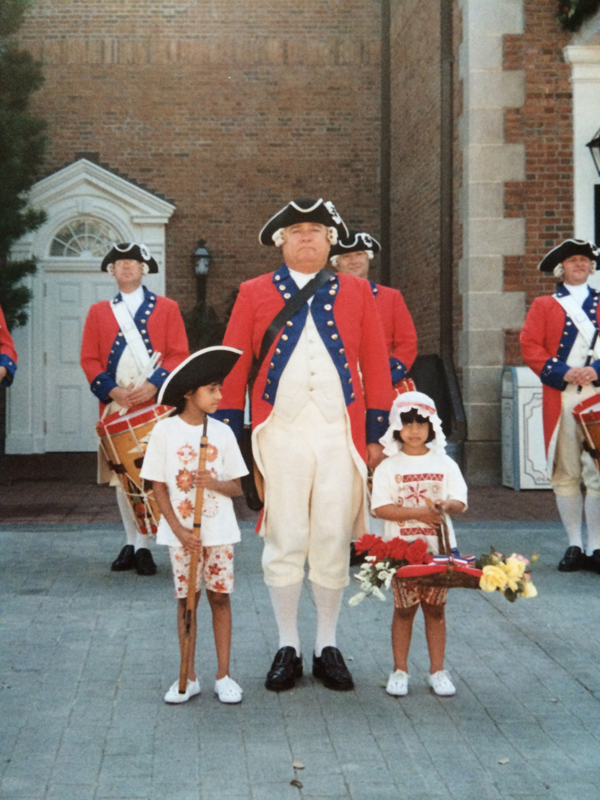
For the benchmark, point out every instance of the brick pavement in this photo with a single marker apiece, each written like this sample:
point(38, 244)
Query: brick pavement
point(87, 655)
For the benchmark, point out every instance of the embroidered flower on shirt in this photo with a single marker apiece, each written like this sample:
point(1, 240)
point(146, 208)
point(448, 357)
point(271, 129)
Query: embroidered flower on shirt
point(214, 569)
point(416, 494)
point(187, 454)
point(211, 452)
point(185, 508)
point(210, 507)
point(185, 480)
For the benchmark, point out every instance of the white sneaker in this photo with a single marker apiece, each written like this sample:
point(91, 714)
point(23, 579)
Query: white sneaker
point(173, 696)
point(228, 691)
point(441, 684)
point(397, 684)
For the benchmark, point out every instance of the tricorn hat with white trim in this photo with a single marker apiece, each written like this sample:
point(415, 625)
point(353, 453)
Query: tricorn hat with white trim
point(210, 365)
point(305, 210)
point(355, 242)
point(126, 250)
point(566, 249)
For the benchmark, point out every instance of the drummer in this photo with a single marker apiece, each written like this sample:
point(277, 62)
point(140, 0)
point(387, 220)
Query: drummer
point(120, 340)
point(556, 339)
point(8, 354)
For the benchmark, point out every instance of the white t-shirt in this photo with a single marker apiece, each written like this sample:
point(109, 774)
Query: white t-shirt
point(172, 458)
point(415, 482)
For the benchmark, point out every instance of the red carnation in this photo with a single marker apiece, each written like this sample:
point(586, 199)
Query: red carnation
point(416, 552)
point(380, 550)
point(397, 548)
point(366, 542)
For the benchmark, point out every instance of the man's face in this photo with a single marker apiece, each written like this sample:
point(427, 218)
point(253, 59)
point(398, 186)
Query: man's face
point(577, 269)
point(354, 264)
point(128, 272)
point(306, 247)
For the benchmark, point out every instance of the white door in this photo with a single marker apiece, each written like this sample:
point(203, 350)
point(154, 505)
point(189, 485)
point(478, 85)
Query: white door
point(71, 410)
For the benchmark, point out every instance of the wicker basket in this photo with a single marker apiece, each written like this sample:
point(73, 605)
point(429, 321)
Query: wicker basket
point(452, 578)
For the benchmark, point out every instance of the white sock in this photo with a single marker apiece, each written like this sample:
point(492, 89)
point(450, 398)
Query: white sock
point(571, 511)
point(592, 518)
point(327, 603)
point(285, 601)
point(132, 534)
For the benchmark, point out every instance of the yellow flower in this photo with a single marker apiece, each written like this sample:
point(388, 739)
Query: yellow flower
point(514, 567)
point(528, 590)
point(493, 578)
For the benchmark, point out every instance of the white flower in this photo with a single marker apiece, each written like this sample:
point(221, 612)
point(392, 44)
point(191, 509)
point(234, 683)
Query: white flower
point(356, 599)
point(378, 593)
point(371, 558)
point(380, 565)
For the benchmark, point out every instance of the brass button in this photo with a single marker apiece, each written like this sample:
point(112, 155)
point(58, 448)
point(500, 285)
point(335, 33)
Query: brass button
point(342, 350)
point(277, 350)
point(331, 292)
point(285, 337)
point(287, 296)
point(268, 380)
point(330, 323)
point(335, 336)
point(272, 366)
point(289, 323)
point(328, 307)
point(352, 396)
point(282, 287)
point(379, 419)
point(266, 396)
point(226, 421)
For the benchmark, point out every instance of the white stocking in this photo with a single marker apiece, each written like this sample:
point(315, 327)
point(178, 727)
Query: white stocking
point(285, 601)
point(592, 518)
point(132, 535)
point(570, 509)
point(327, 603)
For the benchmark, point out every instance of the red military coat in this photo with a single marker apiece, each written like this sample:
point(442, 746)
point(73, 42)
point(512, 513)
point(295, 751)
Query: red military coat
point(8, 354)
point(346, 318)
point(159, 321)
point(398, 328)
point(546, 341)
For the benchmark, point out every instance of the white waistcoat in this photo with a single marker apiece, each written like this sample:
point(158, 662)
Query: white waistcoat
point(310, 375)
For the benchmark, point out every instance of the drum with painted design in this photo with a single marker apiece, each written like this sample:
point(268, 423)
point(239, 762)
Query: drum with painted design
point(123, 440)
point(587, 414)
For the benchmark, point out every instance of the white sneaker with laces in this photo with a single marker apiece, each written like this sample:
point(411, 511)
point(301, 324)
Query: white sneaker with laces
point(173, 696)
point(228, 691)
point(441, 684)
point(397, 684)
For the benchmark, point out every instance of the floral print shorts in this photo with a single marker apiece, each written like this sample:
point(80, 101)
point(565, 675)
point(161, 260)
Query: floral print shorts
point(215, 565)
point(408, 594)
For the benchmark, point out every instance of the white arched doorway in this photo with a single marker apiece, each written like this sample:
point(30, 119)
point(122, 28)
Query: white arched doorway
point(50, 406)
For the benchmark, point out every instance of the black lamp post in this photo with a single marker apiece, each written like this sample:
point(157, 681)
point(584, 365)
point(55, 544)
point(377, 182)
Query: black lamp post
point(594, 146)
point(201, 259)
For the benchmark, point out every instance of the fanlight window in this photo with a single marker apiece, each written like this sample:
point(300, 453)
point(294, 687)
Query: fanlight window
point(83, 238)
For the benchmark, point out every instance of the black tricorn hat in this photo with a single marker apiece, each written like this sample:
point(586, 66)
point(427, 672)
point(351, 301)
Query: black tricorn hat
point(305, 210)
point(566, 249)
point(136, 252)
point(210, 365)
point(355, 242)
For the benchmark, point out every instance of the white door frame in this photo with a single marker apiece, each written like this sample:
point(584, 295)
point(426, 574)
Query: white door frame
point(81, 189)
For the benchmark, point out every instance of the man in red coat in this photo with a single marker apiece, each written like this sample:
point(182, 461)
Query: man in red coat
point(556, 343)
point(119, 339)
point(352, 256)
point(8, 354)
point(308, 417)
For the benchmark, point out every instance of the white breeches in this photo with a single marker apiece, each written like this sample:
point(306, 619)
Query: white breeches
point(572, 464)
point(314, 493)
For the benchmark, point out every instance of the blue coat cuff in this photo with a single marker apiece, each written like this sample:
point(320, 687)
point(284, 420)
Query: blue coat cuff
point(158, 377)
point(553, 373)
point(102, 385)
point(232, 417)
point(596, 365)
point(377, 424)
point(398, 370)
point(11, 368)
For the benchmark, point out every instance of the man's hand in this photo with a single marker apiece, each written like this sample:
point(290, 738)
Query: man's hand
point(138, 397)
point(375, 455)
point(121, 396)
point(3, 373)
point(581, 376)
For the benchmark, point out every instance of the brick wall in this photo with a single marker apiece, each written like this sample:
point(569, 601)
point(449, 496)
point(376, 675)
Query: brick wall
point(544, 125)
point(229, 109)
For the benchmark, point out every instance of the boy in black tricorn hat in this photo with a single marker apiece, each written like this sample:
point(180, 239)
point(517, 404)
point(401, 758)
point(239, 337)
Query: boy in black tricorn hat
point(559, 342)
point(171, 463)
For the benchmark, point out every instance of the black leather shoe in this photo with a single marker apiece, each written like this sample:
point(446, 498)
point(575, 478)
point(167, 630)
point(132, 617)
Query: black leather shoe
point(330, 668)
point(593, 562)
point(573, 560)
point(285, 670)
point(124, 560)
point(144, 563)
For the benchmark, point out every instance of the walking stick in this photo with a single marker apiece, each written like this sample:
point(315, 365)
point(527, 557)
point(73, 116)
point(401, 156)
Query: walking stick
point(590, 355)
point(190, 609)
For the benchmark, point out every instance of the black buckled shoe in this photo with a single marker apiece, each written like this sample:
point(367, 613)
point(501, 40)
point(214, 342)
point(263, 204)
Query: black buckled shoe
point(330, 668)
point(573, 560)
point(124, 560)
point(144, 563)
point(285, 670)
point(593, 562)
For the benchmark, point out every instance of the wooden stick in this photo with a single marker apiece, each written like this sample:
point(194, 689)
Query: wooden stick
point(190, 609)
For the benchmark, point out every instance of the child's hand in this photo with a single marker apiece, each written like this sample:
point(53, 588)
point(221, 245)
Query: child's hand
point(188, 540)
point(450, 506)
point(430, 516)
point(204, 479)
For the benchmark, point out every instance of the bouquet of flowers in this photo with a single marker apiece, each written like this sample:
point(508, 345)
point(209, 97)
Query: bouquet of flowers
point(509, 575)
